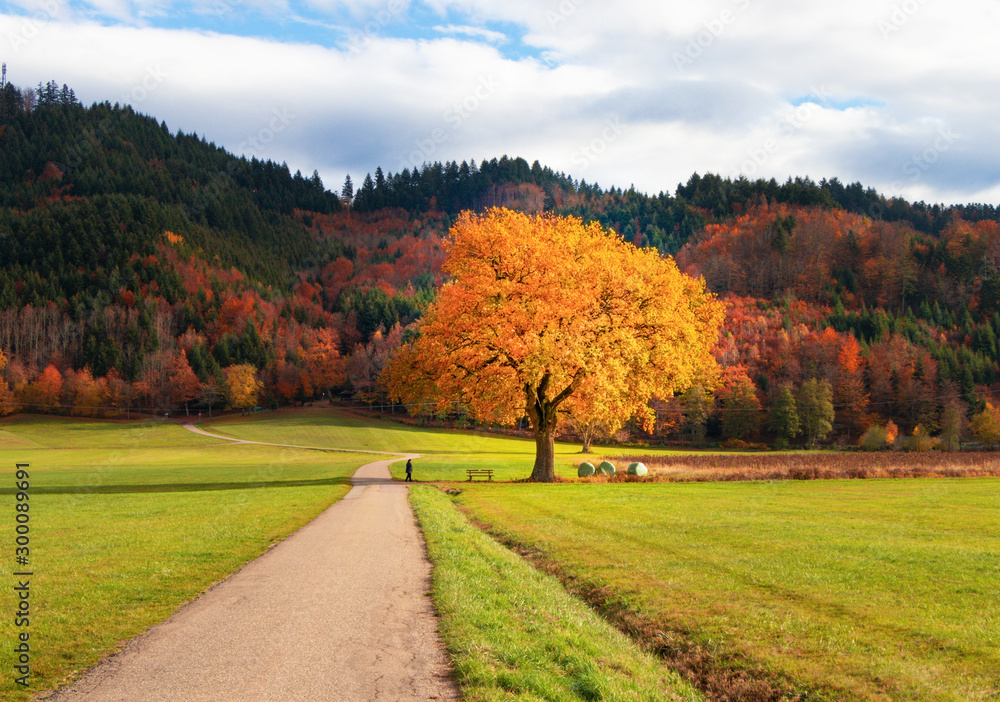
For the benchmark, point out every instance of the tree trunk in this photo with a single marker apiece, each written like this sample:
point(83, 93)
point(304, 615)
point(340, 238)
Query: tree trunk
point(587, 435)
point(545, 457)
point(543, 415)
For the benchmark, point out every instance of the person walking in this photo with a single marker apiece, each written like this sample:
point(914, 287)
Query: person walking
point(409, 470)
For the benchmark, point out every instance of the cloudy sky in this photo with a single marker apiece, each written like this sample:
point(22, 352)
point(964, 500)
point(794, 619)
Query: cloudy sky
point(902, 95)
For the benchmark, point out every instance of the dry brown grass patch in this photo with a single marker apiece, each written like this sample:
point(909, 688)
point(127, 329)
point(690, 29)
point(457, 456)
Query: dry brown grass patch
point(811, 466)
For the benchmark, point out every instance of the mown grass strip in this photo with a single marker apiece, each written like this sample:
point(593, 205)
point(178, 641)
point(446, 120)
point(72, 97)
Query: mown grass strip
point(515, 634)
point(834, 590)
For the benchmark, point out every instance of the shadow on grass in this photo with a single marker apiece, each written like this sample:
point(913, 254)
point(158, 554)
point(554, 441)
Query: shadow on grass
point(175, 487)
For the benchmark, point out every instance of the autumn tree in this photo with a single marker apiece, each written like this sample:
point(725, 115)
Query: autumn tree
point(536, 305)
point(183, 385)
point(43, 393)
point(212, 393)
point(985, 426)
point(87, 395)
point(952, 425)
point(242, 386)
point(815, 408)
point(291, 381)
point(8, 402)
point(121, 393)
point(152, 381)
point(364, 366)
point(589, 429)
point(921, 440)
point(740, 411)
point(322, 358)
point(878, 438)
point(849, 389)
point(669, 415)
point(589, 418)
point(891, 433)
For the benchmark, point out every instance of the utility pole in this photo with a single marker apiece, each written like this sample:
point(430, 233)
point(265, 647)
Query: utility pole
point(3, 78)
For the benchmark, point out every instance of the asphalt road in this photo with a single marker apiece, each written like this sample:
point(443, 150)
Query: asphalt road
point(338, 611)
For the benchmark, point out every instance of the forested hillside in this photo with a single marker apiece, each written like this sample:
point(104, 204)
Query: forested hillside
point(141, 268)
point(137, 265)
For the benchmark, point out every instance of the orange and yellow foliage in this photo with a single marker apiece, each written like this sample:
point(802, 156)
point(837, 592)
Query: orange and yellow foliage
point(43, 393)
point(322, 358)
point(541, 308)
point(242, 386)
point(986, 426)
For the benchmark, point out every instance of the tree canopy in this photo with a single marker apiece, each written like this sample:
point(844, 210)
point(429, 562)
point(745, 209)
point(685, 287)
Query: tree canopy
point(542, 308)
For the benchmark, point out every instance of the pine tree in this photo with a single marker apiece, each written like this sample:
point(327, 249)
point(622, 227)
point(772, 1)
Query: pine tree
point(11, 102)
point(347, 192)
point(366, 195)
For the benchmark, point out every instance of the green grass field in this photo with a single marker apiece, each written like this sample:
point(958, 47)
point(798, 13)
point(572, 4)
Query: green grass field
point(874, 590)
point(845, 589)
point(131, 520)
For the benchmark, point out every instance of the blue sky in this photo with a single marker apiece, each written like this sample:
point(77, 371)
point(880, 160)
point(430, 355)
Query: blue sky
point(338, 26)
point(900, 95)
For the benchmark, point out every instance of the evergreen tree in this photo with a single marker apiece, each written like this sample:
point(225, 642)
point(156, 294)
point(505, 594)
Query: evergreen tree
point(251, 349)
point(347, 192)
point(696, 409)
point(100, 353)
point(783, 417)
point(11, 102)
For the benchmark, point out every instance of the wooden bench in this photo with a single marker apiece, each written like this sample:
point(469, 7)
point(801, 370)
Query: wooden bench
point(480, 473)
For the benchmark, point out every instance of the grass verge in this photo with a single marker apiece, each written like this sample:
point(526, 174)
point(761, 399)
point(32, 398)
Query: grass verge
point(515, 634)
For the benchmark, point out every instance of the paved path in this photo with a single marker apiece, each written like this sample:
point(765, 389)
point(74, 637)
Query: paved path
point(338, 611)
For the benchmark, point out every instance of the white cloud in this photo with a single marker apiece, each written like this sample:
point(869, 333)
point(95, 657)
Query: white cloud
point(697, 87)
point(473, 32)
